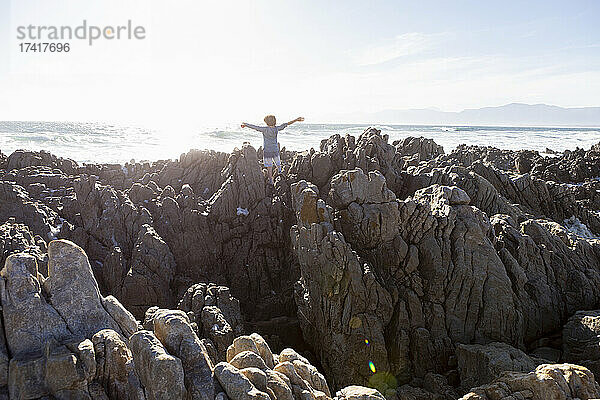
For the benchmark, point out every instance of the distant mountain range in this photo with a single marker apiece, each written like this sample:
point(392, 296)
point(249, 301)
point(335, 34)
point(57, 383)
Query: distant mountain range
point(515, 114)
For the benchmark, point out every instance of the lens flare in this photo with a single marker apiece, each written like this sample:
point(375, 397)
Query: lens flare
point(372, 367)
point(367, 342)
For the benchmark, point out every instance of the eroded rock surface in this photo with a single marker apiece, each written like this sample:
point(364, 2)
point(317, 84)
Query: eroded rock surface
point(397, 266)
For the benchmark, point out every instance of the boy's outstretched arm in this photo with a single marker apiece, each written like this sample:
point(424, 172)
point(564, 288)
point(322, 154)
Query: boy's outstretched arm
point(299, 119)
point(255, 127)
point(282, 126)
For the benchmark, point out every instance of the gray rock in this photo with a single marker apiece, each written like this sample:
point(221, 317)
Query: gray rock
point(217, 329)
point(74, 292)
point(358, 393)
point(58, 373)
point(339, 290)
point(481, 364)
point(172, 328)
point(115, 369)
point(123, 318)
point(236, 385)
point(279, 385)
point(240, 344)
point(548, 381)
point(29, 321)
point(247, 359)
point(581, 340)
point(257, 377)
point(26, 378)
point(160, 373)
point(263, 350)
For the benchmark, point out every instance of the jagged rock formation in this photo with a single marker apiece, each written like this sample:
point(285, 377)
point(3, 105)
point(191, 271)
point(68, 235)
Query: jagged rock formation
point(390, 265)
point(62, 339)
point(429, 272)
point(214, 313)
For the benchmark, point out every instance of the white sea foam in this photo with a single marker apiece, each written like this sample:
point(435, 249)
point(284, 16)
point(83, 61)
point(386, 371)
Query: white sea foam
point(574, 225)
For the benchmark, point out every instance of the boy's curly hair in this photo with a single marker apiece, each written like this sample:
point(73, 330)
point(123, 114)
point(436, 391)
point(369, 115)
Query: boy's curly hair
point(270, 120)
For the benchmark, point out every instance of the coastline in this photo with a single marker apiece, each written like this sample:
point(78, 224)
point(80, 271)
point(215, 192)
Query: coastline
point(109, 143)
point(433, 258)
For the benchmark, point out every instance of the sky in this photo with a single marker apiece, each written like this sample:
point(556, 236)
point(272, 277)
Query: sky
point(221, 61)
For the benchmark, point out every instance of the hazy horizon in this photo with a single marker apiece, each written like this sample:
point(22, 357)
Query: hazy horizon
point(376, 119)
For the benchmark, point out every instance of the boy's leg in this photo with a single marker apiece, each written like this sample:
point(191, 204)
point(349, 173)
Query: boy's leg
point(270, 173)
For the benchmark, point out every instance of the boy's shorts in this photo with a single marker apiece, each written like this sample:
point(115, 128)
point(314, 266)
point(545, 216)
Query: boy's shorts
point(273, 160)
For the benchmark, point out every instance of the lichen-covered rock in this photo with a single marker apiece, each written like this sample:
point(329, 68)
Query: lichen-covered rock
point(305, 370)
point(403, 256)
point(258, 379)
point(263, 349)
point(26, 379)
point(241, 344)
point(297, 382)
point(279, 385)
point(216, 313)
point(443, 272)
point(60, 372)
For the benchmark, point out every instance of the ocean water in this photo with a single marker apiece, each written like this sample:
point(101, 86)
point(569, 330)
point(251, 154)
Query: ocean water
point(111, 143)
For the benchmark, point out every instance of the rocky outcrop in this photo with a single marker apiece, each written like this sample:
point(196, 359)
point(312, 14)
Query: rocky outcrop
point(377, 255)
point(573, 166)
point(17, 238)
point(214, 313)
point(414, 150)
point(548, 381)
point(22, 158)
point(173, 329)
point(397, 266)
point(64, 340)
point(159, 372)
point(29, 320)
point(337, 289)
point(73, 290)
point(115, 371)
point(48, 323)
point(430, 272)
point(16, 203)
point(358, 393)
